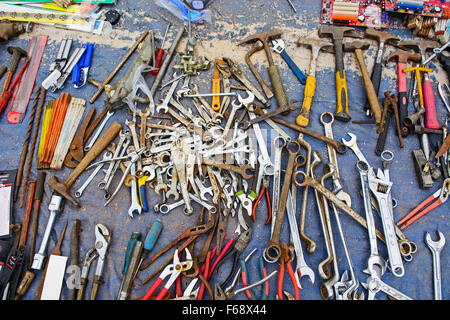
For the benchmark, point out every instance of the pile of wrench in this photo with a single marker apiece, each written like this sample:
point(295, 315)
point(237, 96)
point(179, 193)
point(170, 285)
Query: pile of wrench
point(184, 148)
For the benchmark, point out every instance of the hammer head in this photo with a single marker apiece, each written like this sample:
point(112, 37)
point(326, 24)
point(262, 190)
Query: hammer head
point(380, 36)
point(264, 37)
point(337, 33)
point(420, 46)
point(403, 56)
point(357, 44)
point(17, 50)
point(315, 44)
point(62, 190)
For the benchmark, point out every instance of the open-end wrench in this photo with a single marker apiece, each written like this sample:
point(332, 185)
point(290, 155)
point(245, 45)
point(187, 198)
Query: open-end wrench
point(106, 156)
point(279, 144)
point(302, 269)
point(436, 248)
point(122, 138)
point(108, 115)
point(164, 106)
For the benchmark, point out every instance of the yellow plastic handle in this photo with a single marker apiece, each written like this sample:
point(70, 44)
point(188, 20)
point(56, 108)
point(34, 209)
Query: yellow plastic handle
point(342, 97)
point(310, 88)
point(215, 103)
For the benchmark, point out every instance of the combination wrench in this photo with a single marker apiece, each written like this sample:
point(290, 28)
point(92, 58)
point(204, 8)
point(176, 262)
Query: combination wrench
point(108, 115)
point(106, 156)
point(436, 248)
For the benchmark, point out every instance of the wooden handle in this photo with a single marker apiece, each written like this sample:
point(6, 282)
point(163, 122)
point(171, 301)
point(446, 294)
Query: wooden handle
point(370, 90)
point(93, 153)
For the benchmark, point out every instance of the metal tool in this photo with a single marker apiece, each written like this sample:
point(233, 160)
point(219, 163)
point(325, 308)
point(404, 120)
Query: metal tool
point(436, 248)
point(279, 47)
point(102, 240)
point(81, 69)
point(79, 192)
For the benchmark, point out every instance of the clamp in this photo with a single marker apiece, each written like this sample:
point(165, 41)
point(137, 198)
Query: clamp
point(81, 69)
point(174, 270)
point(102, 240)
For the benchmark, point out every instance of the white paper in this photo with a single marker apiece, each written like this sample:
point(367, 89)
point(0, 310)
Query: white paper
point(54, 278)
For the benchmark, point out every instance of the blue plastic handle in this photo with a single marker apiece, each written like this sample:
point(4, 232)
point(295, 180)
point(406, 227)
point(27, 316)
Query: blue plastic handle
point(87, 56)
point(143, 196)
point(76, 72)
point(135, 236)
point(152, 235)
point(298, 73)
point(195, 16)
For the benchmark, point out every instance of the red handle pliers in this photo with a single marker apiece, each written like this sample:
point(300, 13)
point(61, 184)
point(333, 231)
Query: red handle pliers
point(286, 261)
point(439, 197)
point(264, 190)
point(174, 270)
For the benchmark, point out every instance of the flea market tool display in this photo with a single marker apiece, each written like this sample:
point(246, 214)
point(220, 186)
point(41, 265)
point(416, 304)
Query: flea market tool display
point(364, 13)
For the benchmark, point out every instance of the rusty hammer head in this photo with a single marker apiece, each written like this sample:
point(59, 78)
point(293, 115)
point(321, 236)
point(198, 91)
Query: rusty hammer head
point(264, 37)
point(337, 33)
point(380, 36)
point(62, 190)
point(17, 54)
point(315, 44)
point(403, 56)
point(420, 46)
point(355, 45)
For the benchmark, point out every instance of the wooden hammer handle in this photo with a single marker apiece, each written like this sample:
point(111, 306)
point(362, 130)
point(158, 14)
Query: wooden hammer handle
point(370, 90)
point(93, 153)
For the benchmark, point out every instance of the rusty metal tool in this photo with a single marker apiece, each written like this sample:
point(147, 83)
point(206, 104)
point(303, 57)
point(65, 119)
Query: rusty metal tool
point(257, 46)
point(310, 87)
point(274, 73)
point(357, 46)
point(76, 151)
point(273, 250)
point(339, 146)
point(100, 145)
point(402, 58)
point(101, 86)
point(338, 34)
point(74, 254)
point(26, 142)
point(56, 252)
point(383, 38)
point(33, 141)
point(17, 54)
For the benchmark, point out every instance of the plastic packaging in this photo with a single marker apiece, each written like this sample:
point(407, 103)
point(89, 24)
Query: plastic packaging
point(180, 10)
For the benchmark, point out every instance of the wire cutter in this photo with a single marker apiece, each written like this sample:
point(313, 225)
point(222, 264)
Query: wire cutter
point(174, 270)
point(102, 240)
point(439, 197)
point(81, 69)
point(264, 190)
point(286, 263)
point(239, 247)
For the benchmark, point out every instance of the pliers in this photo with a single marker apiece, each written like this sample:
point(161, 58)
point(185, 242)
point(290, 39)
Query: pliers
point(263, 191)
point(102, 240)
point(81, 69)
point(286, 262)
point(439, 197)
point(244, 277)
point(239, 247)
point(174, 270)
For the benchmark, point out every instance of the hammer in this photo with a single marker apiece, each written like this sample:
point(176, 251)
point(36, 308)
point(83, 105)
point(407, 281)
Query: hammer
point(310, 87)
point(94, 152)
point(382, 37)
point(402, 57)
point(274, 73)
point(17, 53)
point(338, 33)
point(358, 46)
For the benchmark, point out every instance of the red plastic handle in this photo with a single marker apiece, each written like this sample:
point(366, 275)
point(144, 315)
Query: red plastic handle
point(162, 293)
point(431, 121)
point(152, 289)
point(158, 61)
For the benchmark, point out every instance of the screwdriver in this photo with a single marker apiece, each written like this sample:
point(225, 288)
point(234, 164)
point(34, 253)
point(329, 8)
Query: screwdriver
point(135, 236)
point(150, 240)
point(160, 54)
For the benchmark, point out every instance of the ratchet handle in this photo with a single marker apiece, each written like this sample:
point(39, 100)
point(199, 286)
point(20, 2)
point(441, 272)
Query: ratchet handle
point(295, 69)
point(310, 88)
point(158, 61)
point(431, 121)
